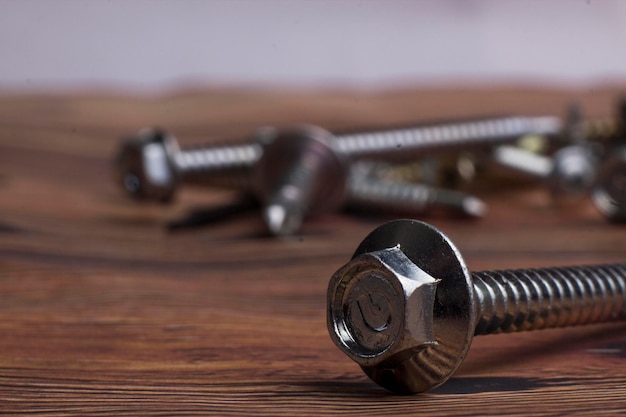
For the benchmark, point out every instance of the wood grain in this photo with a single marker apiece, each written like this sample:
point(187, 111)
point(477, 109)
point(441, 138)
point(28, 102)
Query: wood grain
point(103, 311)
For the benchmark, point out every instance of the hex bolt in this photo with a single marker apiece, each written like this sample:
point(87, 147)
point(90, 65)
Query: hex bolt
point(406, 308)
point(151, 165)
point(609, 190)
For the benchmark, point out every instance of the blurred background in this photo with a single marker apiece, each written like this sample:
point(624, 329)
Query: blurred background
point(152, 46)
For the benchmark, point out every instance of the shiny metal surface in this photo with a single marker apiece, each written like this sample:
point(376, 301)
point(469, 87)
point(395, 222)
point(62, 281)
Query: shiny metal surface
point(299, 174)
point(371, 194)
point(384, 269)
point(609, 191)
point(303, 170)
point(151, 165)
point(412, 142)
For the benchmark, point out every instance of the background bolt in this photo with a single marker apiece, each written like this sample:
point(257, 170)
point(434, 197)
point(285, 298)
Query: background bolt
point(151, 165)
point(463, 304)
point(569, 173)
point(299, 174)
point(367, 193)
point(609, 191)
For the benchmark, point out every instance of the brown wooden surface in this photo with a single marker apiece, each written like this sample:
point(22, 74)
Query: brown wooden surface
point(104, 312)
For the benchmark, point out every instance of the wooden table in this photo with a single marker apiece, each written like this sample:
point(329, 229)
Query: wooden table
point(103, 311)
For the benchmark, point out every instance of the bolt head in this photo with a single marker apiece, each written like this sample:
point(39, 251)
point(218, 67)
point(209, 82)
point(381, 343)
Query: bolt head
point(300, 174)
point(609, 191)
point(383, 306)
point(145, 167)
point(573, 172)
point(403, 307)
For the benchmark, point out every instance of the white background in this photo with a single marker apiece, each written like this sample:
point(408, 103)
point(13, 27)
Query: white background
point(156, 45)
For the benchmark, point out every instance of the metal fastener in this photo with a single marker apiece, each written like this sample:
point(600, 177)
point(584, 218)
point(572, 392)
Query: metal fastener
point(406, 308)
point(569, 173)
point(609, 191)
point(366, 192)
point(151, 165)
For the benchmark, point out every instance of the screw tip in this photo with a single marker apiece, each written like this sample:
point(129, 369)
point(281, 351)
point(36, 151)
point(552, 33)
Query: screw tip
point(282, 220)
point(474, 207)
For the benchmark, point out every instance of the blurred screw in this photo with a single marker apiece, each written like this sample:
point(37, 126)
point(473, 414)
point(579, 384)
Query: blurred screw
point(367, 193)
point(152, 165)
point(406, 308)
point(609, 191)
point(569, 173)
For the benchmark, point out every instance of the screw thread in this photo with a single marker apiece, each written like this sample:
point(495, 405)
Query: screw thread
point(407, 197)
point(227, 166)
point(532, 299)
point(407, 142)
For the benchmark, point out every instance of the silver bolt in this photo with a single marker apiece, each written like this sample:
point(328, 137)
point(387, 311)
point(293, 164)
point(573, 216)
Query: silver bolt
point(609, 191)
point(406, 308)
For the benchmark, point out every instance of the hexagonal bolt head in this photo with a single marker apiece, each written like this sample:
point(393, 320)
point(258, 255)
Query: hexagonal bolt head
point(609, 191)
point(145, 165)
point(383, 306)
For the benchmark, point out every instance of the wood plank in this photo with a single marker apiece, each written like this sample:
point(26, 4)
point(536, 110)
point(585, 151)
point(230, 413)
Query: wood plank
point(104, 311)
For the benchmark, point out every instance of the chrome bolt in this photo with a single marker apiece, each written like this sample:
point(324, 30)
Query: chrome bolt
point(609, 190)
point(406, 308)
point(151, 165)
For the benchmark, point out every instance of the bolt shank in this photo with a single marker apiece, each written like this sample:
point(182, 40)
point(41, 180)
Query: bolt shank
point(531, 299)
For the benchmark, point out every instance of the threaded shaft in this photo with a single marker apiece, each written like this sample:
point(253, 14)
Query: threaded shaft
point(532, 299)
point(406, 197)
point(226, 166)
point(407, 142)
